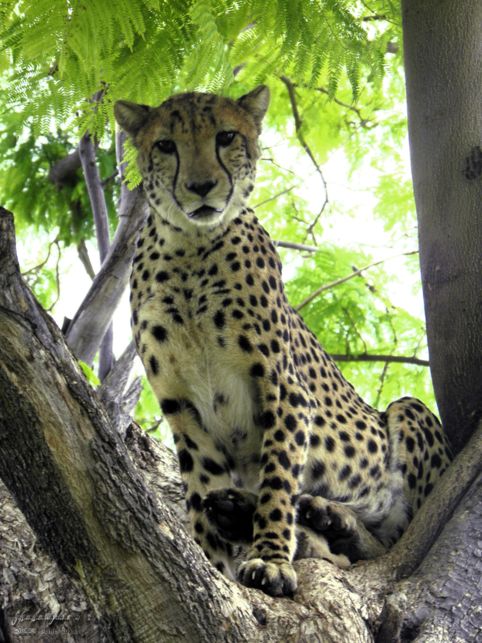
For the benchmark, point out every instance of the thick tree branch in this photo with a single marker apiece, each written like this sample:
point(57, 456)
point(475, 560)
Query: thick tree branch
point(355, 273)
point(370, 357)
point(35, 593)
point(101, 220)
point(96, 194)
point(83, 253)
point(119, 403)
point(443, 71)
point(115, 383)
point(408, 553)
point(94, 314)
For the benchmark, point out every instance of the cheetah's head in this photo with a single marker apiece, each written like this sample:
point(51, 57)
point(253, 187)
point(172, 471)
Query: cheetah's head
point(197, 153)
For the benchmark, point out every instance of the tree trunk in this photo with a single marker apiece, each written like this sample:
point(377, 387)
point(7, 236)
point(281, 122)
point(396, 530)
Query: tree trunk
point(124, 544)
point(443, 66)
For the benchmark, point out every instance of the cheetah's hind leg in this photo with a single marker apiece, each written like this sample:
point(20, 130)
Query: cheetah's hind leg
point(342, 528)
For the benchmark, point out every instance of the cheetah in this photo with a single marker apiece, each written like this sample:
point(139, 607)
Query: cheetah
point(273, 443)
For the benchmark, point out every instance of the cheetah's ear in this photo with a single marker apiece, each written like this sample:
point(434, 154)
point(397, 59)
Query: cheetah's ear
point(131, 116)
point(256, 103)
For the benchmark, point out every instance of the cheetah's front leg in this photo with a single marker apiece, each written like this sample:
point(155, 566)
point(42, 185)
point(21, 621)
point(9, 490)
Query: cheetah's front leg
point(200, 473)
point(285, 437)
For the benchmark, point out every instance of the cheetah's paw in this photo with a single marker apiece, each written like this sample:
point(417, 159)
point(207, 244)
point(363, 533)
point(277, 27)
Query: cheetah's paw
point(275, 579)
point(230, 512)
point(325, 517)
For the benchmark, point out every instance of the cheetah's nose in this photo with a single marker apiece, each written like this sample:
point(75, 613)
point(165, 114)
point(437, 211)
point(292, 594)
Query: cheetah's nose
point(201, 188)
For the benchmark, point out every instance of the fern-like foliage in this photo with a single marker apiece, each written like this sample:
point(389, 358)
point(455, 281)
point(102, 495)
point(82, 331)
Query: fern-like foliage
point(62, 53)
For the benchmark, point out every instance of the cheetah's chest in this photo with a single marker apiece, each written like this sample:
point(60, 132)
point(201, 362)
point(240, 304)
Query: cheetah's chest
point(226, 402)
point(193, 365)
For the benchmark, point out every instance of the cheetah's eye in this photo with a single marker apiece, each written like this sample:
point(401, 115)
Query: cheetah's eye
point(223, 139)
point(166, 146)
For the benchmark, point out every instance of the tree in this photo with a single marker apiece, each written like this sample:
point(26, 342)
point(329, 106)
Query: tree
point(448, 194)
point(122, 541)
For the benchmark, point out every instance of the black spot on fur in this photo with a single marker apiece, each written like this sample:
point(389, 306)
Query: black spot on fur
point(213, 467)
point(219, 319)
point(186, 462)
point(245, 344)
point(170, 407)
point(154, 364)
point(257, 370)
point(159, 333)
point(162, 276)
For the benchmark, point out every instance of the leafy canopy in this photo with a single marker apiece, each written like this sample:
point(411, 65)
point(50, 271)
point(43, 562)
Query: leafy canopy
point(62, 52)
point(64, 63)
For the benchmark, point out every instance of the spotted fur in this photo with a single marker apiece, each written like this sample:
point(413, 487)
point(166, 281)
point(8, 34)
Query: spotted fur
point(254, 402)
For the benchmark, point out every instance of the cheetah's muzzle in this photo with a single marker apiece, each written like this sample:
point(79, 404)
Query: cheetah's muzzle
point(203, 212)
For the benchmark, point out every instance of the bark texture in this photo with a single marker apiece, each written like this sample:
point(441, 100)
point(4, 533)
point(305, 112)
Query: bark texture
point(39, 599)
point(82, 489)
point(443, 64)
point(440, 602)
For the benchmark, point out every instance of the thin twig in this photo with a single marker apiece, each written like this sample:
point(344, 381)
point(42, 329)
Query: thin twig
point(357, 332)
point(373, 13)
point(36, 269)
point(298, 123)
point(342, 280)
point(296, 246)
point(374, 17)
point(269, 159)
point(383, 376)
point(364, 122)
point(274, 197)
point(42, 263)
point(109, 179)
point(371, 357)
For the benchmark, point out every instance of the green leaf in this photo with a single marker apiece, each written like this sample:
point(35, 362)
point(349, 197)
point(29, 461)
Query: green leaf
point(89, 374)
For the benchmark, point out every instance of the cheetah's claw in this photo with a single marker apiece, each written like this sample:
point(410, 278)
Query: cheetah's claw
point(275, 579)
point(324, 517)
